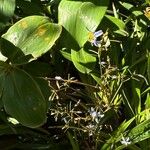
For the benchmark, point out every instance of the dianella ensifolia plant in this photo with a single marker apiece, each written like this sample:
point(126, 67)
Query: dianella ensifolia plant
point(79, 66)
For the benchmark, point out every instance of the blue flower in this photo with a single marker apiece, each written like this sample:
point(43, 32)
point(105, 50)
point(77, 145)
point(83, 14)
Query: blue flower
point(92, 37)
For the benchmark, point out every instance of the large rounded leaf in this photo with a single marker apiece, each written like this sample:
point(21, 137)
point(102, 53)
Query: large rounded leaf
point(34, 35)
point(22, 97)
point(78, 18)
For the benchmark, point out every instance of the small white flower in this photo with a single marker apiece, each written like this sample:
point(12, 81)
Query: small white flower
point(95, 115)
point(90, 126)
point(103, 63)
point(125, 141)
point(114, 77)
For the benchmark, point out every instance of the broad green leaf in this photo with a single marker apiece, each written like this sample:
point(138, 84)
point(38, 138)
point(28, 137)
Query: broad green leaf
point(22, 97)
point(83, 61)
point(78, 18)
point(68, 43)
point(34, 35)
point(7, 8)
point(38, 69)
point(13, 53)
point(45, 87)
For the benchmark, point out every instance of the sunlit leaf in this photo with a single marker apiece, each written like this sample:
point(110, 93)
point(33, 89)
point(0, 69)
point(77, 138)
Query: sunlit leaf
point(83, 60)
point(135, 10)
point(140, 132)
point(78, 18)
point(34, 35)
point(120, 25)
point(148, 66)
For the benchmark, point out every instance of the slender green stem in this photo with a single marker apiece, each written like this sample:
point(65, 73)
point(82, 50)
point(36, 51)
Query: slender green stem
point(99, 59)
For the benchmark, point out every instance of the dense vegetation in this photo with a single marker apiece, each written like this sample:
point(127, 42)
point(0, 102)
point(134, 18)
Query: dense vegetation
point(75, 74)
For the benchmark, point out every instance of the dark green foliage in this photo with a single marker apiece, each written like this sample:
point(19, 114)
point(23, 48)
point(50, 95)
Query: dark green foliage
point(75, 74)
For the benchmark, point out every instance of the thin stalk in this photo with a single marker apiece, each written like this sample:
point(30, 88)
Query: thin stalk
point(99, 59)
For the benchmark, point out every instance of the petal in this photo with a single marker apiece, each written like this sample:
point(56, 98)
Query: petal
point(98, 33)
point(97, 43)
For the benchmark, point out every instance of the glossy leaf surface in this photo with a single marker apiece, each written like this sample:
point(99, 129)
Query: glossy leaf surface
point(79, 18)
point(34, 35)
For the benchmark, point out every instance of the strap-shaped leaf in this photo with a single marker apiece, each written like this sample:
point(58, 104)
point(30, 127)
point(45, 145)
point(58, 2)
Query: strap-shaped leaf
point(148, 66)
point(34, 35)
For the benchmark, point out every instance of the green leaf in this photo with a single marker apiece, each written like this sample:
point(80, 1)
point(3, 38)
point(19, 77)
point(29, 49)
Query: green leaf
point(147, 1)
point(73, 141)
point(13, 53)
point(34, 35)
point(147, 102)
point(119, 23)
point(117, 134)
point(148, 67)
point(22, 97)
point(39, 69)
point(96, 76)
point(78, 18)
point(116, 25)
point(83, 61)
point(66, 53)
point(135, 10)
point(45, 88)
point(7, 8)
point(140, 132)
point(68, 43)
